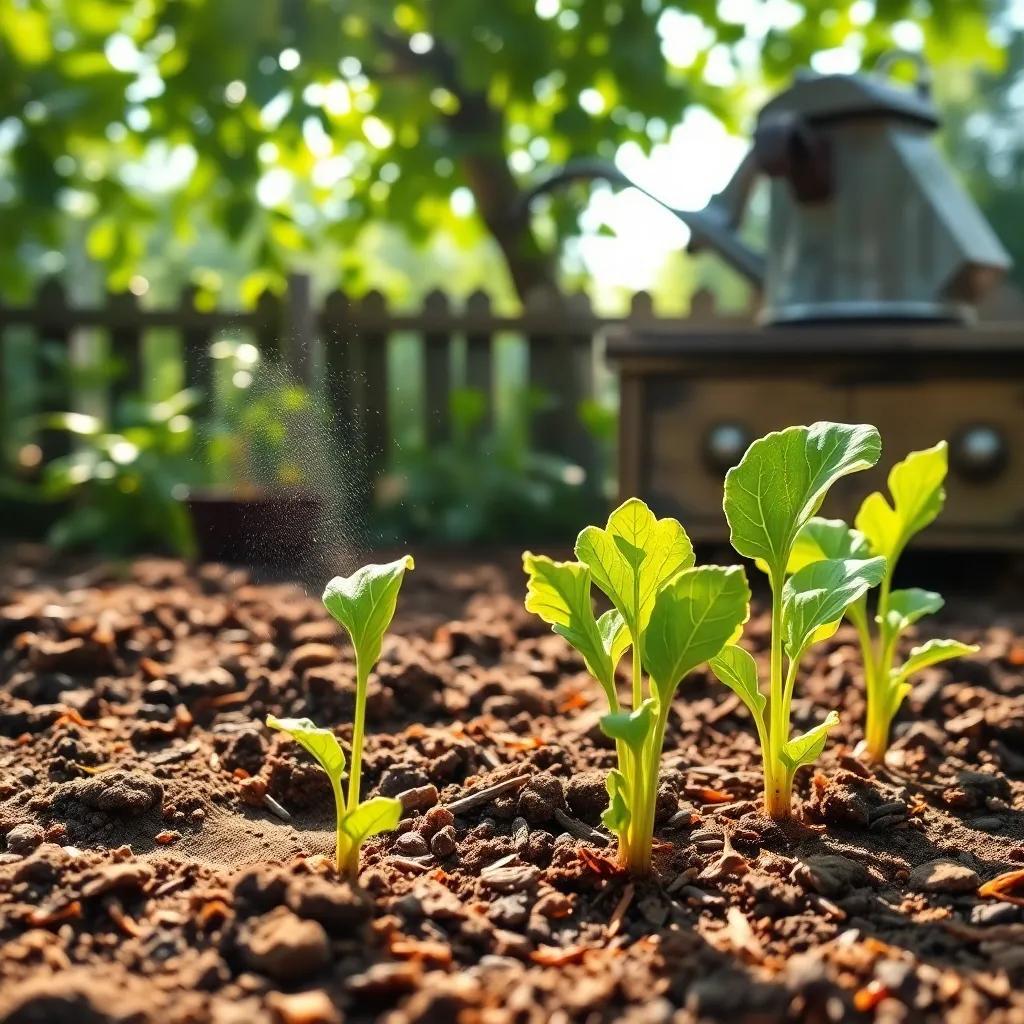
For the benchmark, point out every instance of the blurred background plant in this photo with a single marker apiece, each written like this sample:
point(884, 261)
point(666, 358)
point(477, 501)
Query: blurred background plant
point(253, 438)
point(488, 485)
point(117, 479)
point(117, 488)
point(151, 146)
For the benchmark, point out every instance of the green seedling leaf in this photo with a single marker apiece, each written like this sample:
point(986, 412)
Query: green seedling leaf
point(693, 618)
point(559, 592)
point(632, 557)
point(822, 539)
point(738, 670)
point(321, 743)
point(616, 817)
point(916, 486)
point(370, 818)
point(931, 653)
point(364, 603)
point(781, 481)
point(614, 635)
point(907, 606)
point(815, 599)
point(807, 747)
point(630, 727)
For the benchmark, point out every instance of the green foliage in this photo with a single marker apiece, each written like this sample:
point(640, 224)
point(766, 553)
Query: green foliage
point(815, 599)
point(674, 617)
point(321, 743)
point(115, 479)
point(118, 483)
point(695, 613)
point(484, 485)
point(633, 557)
point(138, 129)
point(770, 500)
point(262, 425)
point(981, 109)
point(559, 592)
point(364, 604)
point(353, 828)
point(782, 480)
point(918, 494)
point(884, 528)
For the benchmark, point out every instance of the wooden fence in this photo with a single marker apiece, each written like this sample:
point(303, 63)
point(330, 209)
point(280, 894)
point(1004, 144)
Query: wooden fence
point(342, 345)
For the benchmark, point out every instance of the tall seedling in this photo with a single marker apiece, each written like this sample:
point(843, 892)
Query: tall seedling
point(884, 527)
point(770, 496)
point(364, 603)
point(672, 616)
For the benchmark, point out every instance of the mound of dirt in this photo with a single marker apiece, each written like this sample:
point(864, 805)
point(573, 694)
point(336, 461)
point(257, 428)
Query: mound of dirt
point(163, 857)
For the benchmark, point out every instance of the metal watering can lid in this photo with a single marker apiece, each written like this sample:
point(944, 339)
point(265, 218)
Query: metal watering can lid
point(838, 97)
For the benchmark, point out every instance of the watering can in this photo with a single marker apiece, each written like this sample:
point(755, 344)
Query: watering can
point(866, 221)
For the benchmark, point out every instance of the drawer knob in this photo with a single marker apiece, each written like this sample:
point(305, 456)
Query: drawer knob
point(979, 452)
point(724, 445)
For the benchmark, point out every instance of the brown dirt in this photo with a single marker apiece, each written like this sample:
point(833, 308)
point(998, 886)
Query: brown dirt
point(145, 876)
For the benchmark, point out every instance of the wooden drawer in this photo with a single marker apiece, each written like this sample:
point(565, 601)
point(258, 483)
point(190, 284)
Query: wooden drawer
point(916, 415)
point(667, 419)
point(679, 414)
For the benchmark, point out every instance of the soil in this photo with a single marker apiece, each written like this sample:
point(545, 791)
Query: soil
point(163, 856)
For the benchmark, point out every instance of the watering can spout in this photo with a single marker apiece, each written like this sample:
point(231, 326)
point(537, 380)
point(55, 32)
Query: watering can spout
point(715, 227)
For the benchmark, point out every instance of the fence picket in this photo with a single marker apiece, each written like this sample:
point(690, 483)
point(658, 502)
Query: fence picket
point(195, 349)
point(267, 326)
point(298, 332)
point(54, 331)
point(354, 337)
point(374, 400)
point(337, 330)
point(436, 368)
point(479, 354)
point(554, 389)
point(126, 342)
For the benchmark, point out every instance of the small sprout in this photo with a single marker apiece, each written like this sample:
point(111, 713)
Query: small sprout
point(364, 603)
point(770, 497)
point(673, 616)
point(918, 494)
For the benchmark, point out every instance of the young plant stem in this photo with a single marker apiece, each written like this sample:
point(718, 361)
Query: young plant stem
point(341, 846)
point(631, 841)
point(641, 863)
point(877, 659)
point(350, 867)
point(776, 788)
point(638, 692)
point(356, 767)
point(347, 852)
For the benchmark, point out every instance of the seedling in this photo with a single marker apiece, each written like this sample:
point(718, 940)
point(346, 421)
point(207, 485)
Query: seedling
point(364, 603)
point(770, 496)
point(671, 615)
point(884, 528)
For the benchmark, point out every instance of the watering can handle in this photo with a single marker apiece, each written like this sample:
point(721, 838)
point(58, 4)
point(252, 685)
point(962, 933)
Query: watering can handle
point(923, 82)
point(714, 225)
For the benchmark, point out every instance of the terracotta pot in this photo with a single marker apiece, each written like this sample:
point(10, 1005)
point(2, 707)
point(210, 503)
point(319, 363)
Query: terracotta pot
point(266, 528)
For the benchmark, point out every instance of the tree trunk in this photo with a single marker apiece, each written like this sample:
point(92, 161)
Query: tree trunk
point(498, 196)
point(480, 130)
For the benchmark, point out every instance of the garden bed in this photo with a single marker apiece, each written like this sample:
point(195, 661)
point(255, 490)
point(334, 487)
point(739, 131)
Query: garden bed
point(164, 857)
